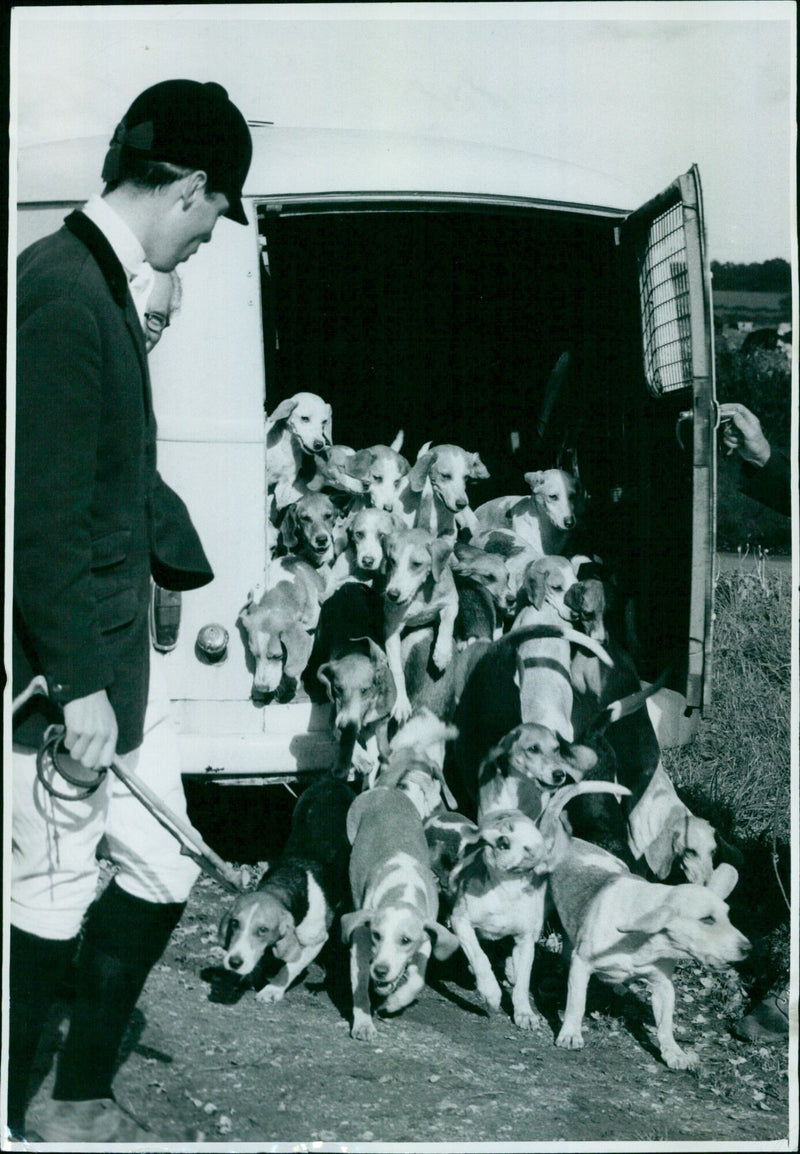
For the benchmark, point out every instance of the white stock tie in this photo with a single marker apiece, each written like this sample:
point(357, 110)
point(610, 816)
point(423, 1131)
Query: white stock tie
point(140, 282)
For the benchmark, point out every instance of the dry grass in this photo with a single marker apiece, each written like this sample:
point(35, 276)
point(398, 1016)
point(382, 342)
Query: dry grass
point(740, 761)
point(737, 772)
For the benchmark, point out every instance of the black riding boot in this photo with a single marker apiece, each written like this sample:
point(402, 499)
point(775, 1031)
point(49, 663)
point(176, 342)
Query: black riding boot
point(37, 966)
point(125, 936)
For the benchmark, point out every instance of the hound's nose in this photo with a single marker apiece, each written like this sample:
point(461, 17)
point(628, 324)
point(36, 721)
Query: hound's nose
point(321, 540)
point(235, 962)
point(559, 776)
point(380, 971)
point(318, 444)
point(461, 503)
point(388, 506)
point(368, 562)
point(569, 522)
point(393, 594)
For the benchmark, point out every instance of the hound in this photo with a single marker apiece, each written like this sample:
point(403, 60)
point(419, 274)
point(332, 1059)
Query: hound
point(547, 519)
point(381, 474)
point(279, 630)
point(298, 427)
point(500, 891)
point(436, 497)
point(419, 590)
point(622, 927)
point(499, 696)
point(364, 555)
point(485, 598)
point(307, 529)
point(291, 911)
point(393, 928)
point(660, 828)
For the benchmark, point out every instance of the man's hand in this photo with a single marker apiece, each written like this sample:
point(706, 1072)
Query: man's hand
point(91, 724)
point(741, 431)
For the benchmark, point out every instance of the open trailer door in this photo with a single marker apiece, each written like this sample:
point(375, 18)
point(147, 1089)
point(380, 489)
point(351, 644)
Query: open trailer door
point(668, 236)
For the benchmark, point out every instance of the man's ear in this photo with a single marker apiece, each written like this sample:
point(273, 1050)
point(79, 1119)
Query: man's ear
point(195, 185)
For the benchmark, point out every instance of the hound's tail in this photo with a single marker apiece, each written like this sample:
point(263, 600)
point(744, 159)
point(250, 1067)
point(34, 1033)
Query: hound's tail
point(624, 706)
point(534, 632)
point(549, 819)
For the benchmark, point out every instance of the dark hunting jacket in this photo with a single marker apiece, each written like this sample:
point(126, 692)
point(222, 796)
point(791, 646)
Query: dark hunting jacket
point(93, 519)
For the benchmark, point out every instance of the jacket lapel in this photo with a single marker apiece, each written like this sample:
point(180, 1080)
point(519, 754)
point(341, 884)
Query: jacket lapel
point(88, 233)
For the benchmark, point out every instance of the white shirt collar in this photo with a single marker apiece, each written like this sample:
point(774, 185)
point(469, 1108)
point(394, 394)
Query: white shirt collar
point(127, 248)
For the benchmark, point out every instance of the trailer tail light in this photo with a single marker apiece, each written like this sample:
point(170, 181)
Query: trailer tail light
point(165, 618)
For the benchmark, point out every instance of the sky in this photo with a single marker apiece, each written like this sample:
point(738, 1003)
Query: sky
point(638, 91)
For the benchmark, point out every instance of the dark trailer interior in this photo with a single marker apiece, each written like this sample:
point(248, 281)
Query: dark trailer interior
point(448, 321)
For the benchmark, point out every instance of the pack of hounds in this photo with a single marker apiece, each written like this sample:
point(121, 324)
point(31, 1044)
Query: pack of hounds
point(497, 766)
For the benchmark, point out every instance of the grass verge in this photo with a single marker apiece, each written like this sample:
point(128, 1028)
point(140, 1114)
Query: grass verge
point(737, 771)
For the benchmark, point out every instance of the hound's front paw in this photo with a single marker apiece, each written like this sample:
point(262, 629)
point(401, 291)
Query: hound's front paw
point(401, 710)
point(363, 1028)
point(442, 653)
point(489, 990)
point(527, 1019)
point(678, 1059)
point(569, 1039)
point(270, 994)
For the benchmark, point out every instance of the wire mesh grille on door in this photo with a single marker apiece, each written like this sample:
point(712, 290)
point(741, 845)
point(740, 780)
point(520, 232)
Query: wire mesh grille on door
point(664, 299)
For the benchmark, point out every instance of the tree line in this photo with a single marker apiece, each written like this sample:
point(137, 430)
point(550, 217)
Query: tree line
point(768, 276)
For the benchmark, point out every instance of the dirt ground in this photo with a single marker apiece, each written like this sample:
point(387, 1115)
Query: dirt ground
point(205, 1062)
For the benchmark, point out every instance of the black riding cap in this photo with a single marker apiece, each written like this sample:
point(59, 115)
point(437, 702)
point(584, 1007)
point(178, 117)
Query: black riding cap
point(194, 125)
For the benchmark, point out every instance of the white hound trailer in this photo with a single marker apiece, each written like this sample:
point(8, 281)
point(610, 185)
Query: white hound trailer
point(431, 286)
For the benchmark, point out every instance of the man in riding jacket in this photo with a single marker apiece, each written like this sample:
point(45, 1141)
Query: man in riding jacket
point(94, 522)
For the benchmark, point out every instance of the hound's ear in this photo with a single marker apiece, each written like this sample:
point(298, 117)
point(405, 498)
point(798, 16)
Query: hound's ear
point(419, 473)
point(535, 481)
point(477, 471)
point(254, 595)
point(283, 411)
point(360, 464)
point(223, 932)
point(660, 854)
point(650, 922)
point(287, 947)
point(534, 584)
point(462, 566)
point(328, 433)
point(324, 678)
point(574, 598)
point(384, 680)
point(445, 943)
point(288, 528)
point(441, 549)
point(496, 759)
point(352, 922)
point(580, 758)
point(298, 644)
point(390, 524)
point(397, 443)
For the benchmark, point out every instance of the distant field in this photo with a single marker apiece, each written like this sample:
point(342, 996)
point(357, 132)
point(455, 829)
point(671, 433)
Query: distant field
point(776, 304)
